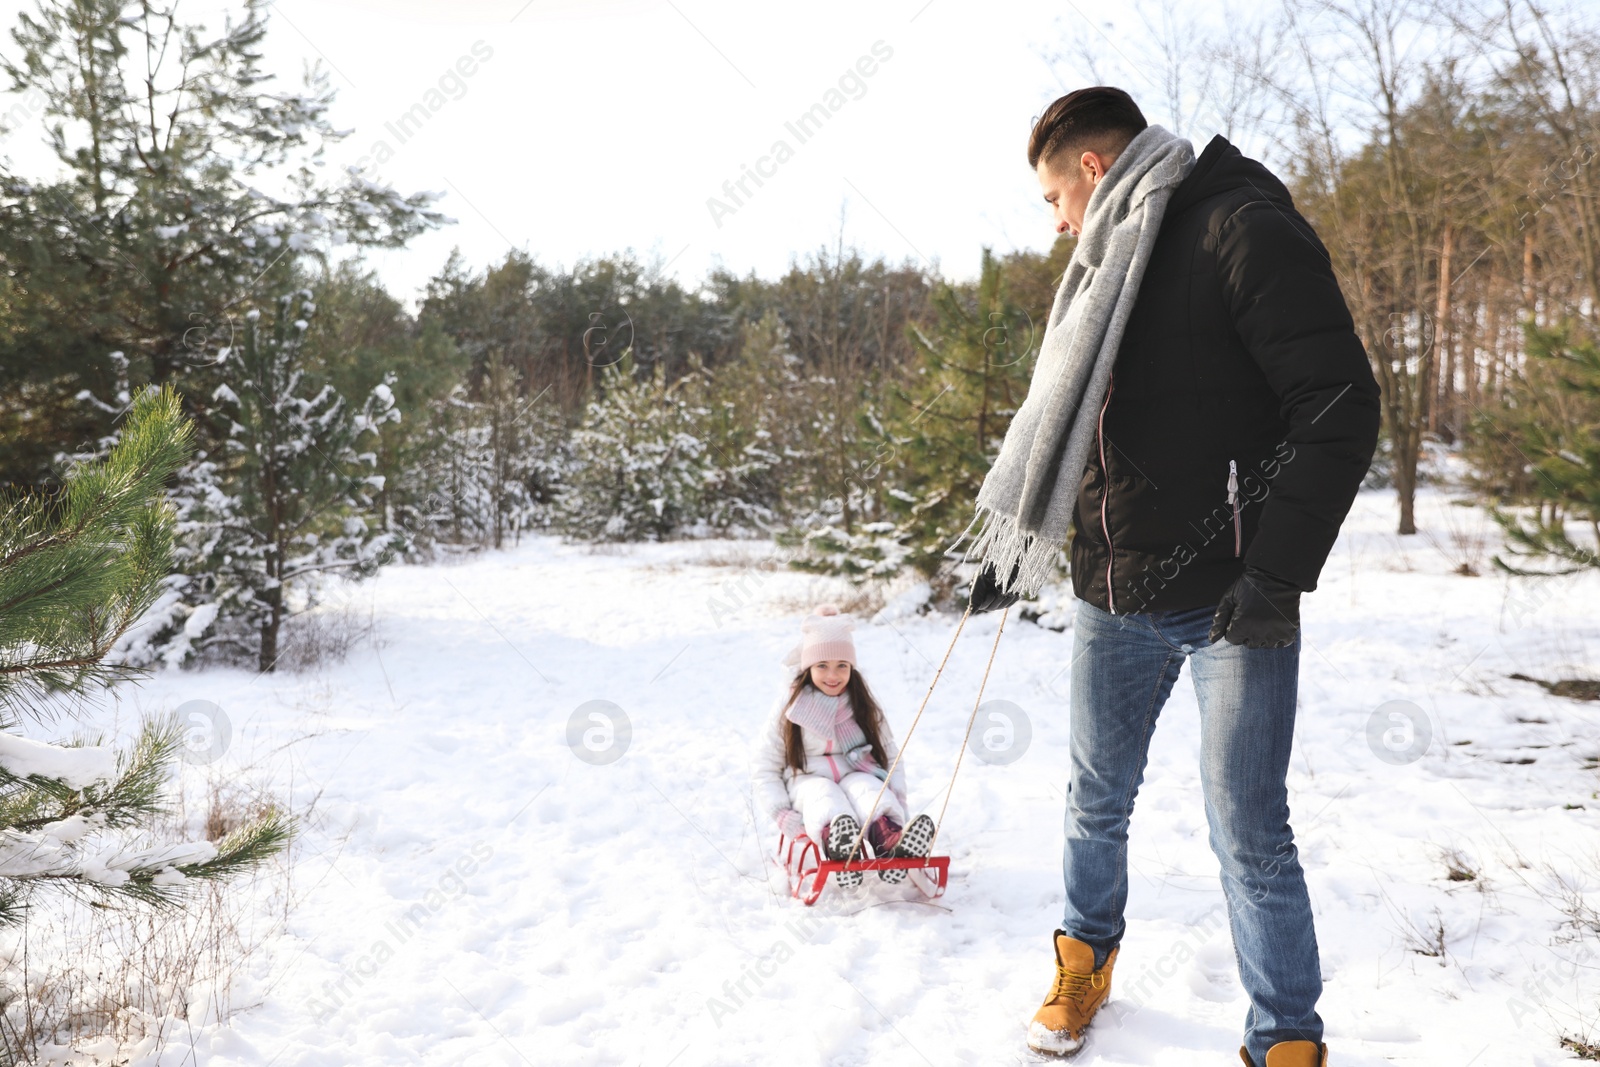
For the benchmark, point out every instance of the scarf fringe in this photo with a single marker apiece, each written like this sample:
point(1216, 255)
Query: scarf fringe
point(1003, 542)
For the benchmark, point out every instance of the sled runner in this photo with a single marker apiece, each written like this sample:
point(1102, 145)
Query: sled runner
point(802, 860)
point(808, 871)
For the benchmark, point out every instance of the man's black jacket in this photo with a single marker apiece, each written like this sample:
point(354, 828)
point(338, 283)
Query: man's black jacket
point(1240, 355)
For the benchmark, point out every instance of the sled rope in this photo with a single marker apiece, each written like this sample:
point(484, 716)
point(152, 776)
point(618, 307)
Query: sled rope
point(907, 742)
point(971, 719)
point(918, 718)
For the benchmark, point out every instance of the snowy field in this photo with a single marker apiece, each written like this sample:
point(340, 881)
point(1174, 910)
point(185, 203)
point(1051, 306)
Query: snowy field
point(471, 892)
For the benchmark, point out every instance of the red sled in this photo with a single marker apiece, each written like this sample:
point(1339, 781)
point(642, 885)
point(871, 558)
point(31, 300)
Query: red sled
point(808, 871)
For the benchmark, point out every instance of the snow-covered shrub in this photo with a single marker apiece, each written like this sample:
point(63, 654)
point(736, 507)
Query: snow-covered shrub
point(493, 468)
point(285, 503)
point(874, 550)
point(641, 468)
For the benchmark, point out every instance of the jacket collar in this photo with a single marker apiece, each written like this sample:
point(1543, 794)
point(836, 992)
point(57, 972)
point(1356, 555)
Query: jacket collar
point(1222, 168)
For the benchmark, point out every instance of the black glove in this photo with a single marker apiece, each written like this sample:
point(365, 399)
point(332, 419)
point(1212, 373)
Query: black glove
point(1258, 611)
point(986, 594)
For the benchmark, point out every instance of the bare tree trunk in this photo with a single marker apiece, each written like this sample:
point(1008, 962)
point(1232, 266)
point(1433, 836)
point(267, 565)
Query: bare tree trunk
point(1480, 350)
point(1550, 70)
point(1468, 354)
point(1492, 324)
point(267, 661)
point(1528, 302)
point(1441, 332)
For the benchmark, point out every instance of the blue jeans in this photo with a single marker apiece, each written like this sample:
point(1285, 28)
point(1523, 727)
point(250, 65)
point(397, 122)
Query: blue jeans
point(1123, 668)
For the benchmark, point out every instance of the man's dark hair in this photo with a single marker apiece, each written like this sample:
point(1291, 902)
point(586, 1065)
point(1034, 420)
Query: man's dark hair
point(1099, 118)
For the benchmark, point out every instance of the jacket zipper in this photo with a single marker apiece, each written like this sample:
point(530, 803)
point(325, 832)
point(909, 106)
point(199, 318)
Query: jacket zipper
point(1233, 498)
point(1105, 490)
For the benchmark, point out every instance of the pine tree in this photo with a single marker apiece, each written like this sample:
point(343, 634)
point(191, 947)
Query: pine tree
point(189, 180)
point(976, 360)
point(453, 482)
point(286, 502)
point(639, 457)
point(488, 468)
point(833, 531)
point(1553, 427)
point(930, 455)
point(511, 448)
point(362, 337)
point(754, 406)
point(77, 569)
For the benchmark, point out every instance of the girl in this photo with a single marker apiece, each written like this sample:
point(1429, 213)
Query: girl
point(826, 752)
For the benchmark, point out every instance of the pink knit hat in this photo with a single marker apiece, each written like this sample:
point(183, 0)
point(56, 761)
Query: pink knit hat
point(824, 635)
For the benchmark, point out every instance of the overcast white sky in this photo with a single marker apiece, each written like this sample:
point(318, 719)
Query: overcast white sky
point(593, 127)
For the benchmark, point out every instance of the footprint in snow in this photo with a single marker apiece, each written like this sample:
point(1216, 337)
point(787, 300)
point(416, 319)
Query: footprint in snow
point(1214, 973)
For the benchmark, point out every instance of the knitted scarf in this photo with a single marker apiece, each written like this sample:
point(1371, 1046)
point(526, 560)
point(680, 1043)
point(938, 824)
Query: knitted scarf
point(825, 715)
point(1025, 503)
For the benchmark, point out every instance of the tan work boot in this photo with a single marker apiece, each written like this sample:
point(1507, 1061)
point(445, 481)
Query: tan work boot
point(1292, 1054)
point(1078, 992)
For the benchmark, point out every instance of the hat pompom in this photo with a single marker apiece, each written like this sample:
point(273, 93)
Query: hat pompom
point(826, 609)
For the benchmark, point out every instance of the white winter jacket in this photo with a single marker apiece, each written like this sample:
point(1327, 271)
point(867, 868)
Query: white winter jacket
point(770, 775)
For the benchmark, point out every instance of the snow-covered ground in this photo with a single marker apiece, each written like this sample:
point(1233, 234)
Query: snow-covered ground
point(473, 892)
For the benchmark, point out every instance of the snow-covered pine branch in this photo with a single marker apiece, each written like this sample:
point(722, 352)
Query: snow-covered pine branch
point(76, 572)
point(69, 816)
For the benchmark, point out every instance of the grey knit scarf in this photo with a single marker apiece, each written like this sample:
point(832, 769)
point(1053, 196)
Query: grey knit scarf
point(1025, 503)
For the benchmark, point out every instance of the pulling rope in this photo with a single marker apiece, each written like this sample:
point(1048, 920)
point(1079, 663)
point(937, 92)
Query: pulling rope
point(854, 848)
point(971, 719)
point(907, 742)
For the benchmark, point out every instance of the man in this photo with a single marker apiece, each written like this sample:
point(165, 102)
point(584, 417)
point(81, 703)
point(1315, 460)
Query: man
point(1225, 412)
